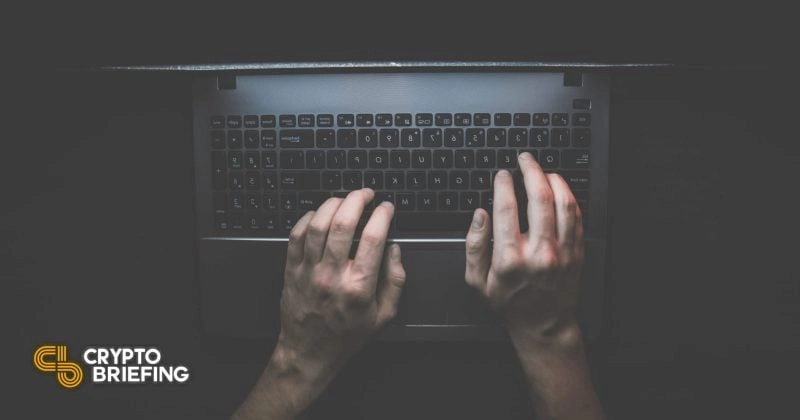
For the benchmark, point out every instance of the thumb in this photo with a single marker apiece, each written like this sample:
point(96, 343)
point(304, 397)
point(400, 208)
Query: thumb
point(391, 287)
point(478, 256)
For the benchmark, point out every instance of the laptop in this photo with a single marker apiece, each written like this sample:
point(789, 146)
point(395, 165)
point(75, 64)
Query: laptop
point(269, 146)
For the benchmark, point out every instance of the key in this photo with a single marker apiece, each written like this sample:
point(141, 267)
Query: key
point(426, 201)
point(410, 137)
point(581, 137)
point(483, 119)
point(252, 202)
point(405, 201)
point(394, 180)
point(521, 119)
point(336, 159)
point(287, 120)
point(311, 200)
point(268, 121)
point(288, 220)
point(400, 158)
point(357, 159)
point(582, 118)
point(560, 119)
point(325, 120)
point(297, 138)
point(234, 139)
point(465, 159)
point(444, 119)
point(217, 121)
point(305, 120)
point(252, 181)
point(269, 159)
point(502, 119)
point(577, 180)
point(423, 120)
point(269, 139)
point(459, 180)
point(270, 201)
point(217, 139)
point(506, 158)
point(432, 137)
point(364, 120)
point(236, 181)
point(496, 137)
point(345, 120)
point(389, 137)
point(368, 138)
point(300, 180)
point(518, 137)
point(469, 200)
point(420, 159)
point(270, 180)
point(402, 120)
point(383, 120)
point(373, 180)
point(448, 201)
point(540, 137)
point(548, 158)
point(541, 119)
point(331, 180)
point(346, 138)
point(476, 137)
point(251, 139)
point(292, 159)
point(442, 159)
point(480, 180)
point(463, 119)
point(560, 137)
point(235, 160)
point(252, 160)
point(454, 137)
point(378, 159)
point(485, 158)
point(237, 221)
point(382, 196)
point(289, 201)
point(326, 138)
point(236, 202)
point(437, 180)
point(352, 180)
point(234, 121)
point(415, 180)
point(575, 159)
point(315, 159)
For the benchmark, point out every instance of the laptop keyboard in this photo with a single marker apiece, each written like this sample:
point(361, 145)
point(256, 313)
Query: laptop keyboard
point(437, 168)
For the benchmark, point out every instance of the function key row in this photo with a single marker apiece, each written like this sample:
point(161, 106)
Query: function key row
point(401, 120)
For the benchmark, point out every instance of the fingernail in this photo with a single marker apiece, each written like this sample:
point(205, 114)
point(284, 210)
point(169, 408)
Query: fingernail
point(395, 252)
point(387, 203)
point(477, 220)
point(503, 172)
point(525, 155)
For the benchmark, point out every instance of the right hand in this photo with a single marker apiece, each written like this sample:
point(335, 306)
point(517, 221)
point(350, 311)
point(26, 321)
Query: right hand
point(530, 279)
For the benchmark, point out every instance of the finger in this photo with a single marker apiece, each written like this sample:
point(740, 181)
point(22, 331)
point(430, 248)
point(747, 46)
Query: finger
point(564, 205)
point(373, 240)
point(578, 238)
point(477, 244)
point(541, 217)
point(391, 286)
point(505, 216)
point(297, 237)
point(343, 227)
point(317, 231)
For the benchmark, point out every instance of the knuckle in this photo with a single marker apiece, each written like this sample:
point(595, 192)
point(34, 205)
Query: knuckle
point(356, 293)
point(341, 225)
point(295, 235)
point(543, 195)
point(509, 264)
point(371, 239)
point(568, 203)
point(547, 258)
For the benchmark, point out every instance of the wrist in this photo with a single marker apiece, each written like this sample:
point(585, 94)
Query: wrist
point(559, 336)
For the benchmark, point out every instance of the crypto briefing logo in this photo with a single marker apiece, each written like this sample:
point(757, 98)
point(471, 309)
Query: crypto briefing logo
point(108, 365)
point(50, 358)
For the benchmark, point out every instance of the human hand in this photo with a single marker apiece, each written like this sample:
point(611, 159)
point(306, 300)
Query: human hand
point(530, 279)
point(332, 304)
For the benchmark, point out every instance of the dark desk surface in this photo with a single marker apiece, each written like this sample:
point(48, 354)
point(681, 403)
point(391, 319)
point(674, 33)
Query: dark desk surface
point(703, 305)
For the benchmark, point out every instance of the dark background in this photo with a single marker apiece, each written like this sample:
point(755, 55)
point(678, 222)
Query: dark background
point(703, 304)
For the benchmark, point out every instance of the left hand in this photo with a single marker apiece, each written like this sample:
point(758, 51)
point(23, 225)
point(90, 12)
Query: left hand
point(332, 304)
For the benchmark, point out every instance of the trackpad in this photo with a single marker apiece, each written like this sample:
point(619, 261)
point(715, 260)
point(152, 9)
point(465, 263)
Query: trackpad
point(435, 292)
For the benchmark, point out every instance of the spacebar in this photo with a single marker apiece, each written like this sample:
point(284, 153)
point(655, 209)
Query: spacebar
point(432, 222)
